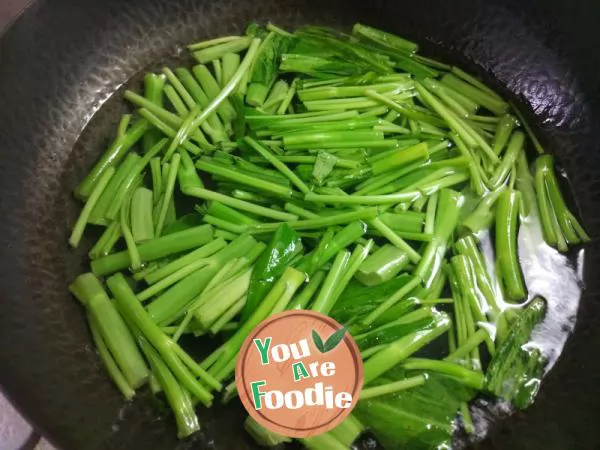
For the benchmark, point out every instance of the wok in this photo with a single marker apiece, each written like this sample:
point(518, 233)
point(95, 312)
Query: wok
point(63, 59)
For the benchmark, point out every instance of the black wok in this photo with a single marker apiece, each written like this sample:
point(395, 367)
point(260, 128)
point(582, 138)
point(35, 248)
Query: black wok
point(63, 59)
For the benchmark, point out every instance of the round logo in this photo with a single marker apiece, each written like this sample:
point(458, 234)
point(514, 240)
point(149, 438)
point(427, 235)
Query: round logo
point(299, 373)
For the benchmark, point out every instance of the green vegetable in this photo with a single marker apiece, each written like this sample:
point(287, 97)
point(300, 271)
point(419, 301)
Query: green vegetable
point(111, 328)
point(265, 67)
point(261, 435)
point(182, 366)
point(467, 377)
point(167, 196)
point(381, 266)
point(420, 417)
point(142, 226)
point(124, 220)
point(341, 437)
point(248, 180)
point(515, 147)
point(467, 246)
point(448, 210)
point(385, 39)
point(153, 91)
point(283, 248)
point(475, 93)
point(224, 297)
point(195, 94)
point(155, 249)
point(506, 245)
point(275, 301)
point(417, 153)
point(80, 225)
point(107, 241)
point(358, 300)
point(210, 53)
point(177, 396)
point(111, 366)
point(392, 388)
point(128, 184)
point(559, 225)
point(324, 164)
point(199, 115)
point(399, 350)
point(126, 138)
point(407, 320)
point(483, 215)
point(327, 295)
point(516, 370)
point(170, 305)
point(504, 129)
point(278, 164)
point(98, 214)
point(211, 88)
point(340, 173)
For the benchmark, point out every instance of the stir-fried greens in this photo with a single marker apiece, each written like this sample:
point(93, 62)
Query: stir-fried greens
point(341, 173)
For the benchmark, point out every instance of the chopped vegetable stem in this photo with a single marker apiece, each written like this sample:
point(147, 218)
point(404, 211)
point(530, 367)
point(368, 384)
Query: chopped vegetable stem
point(336, 172)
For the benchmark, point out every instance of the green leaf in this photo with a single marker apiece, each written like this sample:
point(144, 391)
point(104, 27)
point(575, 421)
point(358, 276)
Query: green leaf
point(318, 341)
point(358, 300)
point(239, 123)
point(265, 66)
point(333, 340)
point(421, 418)
point(516, 369)
point(407, 323)
point(284, 247)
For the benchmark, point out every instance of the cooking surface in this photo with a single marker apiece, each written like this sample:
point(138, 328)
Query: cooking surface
point(15, 432)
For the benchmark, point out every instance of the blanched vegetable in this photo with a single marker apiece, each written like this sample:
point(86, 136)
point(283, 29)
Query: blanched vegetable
point(340, 173)
point(516, 370)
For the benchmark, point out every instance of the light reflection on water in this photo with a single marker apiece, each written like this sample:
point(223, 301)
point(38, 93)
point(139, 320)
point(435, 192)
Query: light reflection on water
point(557, 278)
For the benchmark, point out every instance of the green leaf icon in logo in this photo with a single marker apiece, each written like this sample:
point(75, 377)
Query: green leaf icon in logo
point(331, 342)
point(318, 341)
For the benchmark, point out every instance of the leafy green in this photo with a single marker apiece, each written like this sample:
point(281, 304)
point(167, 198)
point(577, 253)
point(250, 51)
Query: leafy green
point(341, 46)
point(239, 123)
point(315, 66)
point(283, 248)
point(322, 52)
point(516, 369)
point(358, 300)
point(389, 332)
point(265, 67)
point(381, 160)
point(418, 418)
